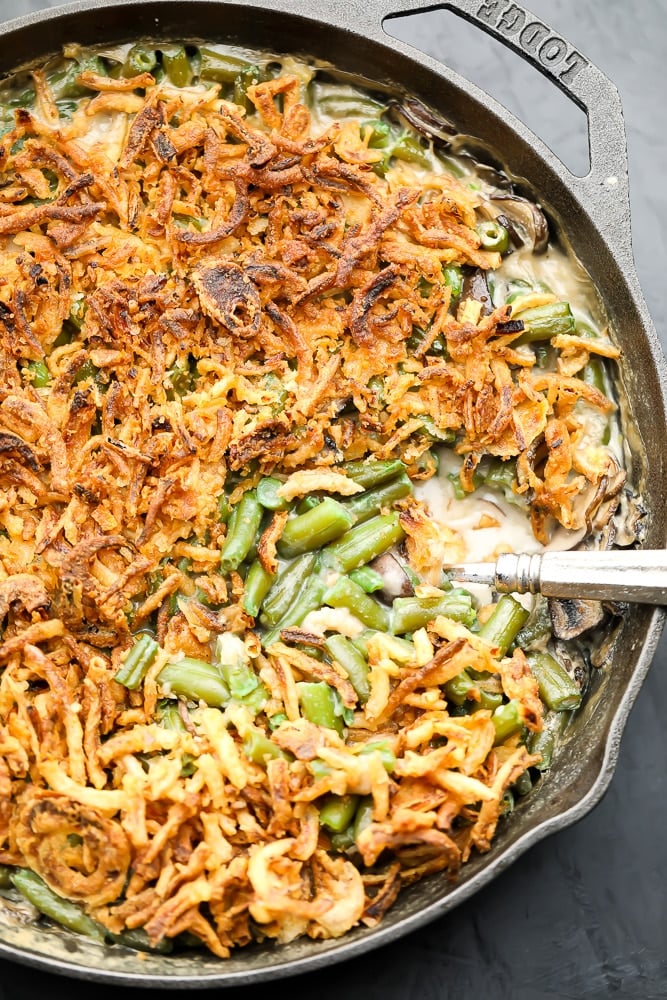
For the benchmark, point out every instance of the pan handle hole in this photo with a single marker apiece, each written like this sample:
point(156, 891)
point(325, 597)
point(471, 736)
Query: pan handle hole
point(511, 80)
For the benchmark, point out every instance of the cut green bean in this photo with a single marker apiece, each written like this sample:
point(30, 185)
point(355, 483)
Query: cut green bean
point(139, 59)
point(307, 503)
point(493, 236)
point(267, 494)
point(453, 278)
point(308, 599)
point(412, 613)
point(318, 705)
point(373, 473)
point(337, 811)
point(6, 876)
point(345, 593)
point(219, 67)
point(368, 579)
point(382, 747)
point(39, 374)
point(286, 587)
point(502, 627)
point(364, 815)
point(402, 650)
point(138, 940)
point(546, 741)
point(137, 662)
point(242, 530)
point(372, 502)
point(507, 720)
point(60, 910)
point(196, 680)
point(364, 542)
point(257, 584)
point(177, 66)
point(309, 531)
point(248, 77)
point(169, 717)
point(545, 322)
point(260, 749)
point(353, 663)
point(558, 690)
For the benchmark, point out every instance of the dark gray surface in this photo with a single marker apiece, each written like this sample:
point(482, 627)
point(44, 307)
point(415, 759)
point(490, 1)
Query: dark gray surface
point(582, 915)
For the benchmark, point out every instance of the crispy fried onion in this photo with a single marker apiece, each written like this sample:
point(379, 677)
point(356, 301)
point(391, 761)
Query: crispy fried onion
point(195, 295)
point(79, 853)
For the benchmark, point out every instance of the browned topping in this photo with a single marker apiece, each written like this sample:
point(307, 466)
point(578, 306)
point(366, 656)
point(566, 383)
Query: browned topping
point(215, 296)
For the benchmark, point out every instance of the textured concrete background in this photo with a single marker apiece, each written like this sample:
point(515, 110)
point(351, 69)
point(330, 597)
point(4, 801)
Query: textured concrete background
point(583, 914)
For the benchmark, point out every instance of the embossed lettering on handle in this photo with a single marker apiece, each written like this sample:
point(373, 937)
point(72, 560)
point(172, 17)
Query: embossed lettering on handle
point(534, 38)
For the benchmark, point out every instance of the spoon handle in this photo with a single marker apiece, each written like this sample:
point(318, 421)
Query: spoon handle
point(632, 575)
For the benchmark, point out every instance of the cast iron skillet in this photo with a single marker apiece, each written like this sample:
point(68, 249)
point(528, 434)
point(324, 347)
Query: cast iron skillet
point(592, 214)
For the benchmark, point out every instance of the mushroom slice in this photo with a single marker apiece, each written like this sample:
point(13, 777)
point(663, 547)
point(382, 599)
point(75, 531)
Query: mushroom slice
point(571, 617)
point(526, 220)
point(423, 119)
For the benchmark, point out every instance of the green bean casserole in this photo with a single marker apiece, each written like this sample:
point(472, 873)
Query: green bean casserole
point(276, 351)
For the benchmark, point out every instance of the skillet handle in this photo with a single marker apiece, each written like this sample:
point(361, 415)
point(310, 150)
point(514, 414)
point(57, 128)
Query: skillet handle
point(604, 190)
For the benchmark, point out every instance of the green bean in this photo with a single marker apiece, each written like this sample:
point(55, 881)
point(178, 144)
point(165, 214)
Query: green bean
point(382, 747)
point(62, 911)
point(506, 620)
point(546, 741)
point(537, 626)
point(268, 496)
point(305, 532)
point(169, 717)
point(140, 59)
point(338, 101)
point(493, 236)
point(177, 66)
point(307, 503)
point(412, 613)
point(337, 811)
point(558, 690)
point(463, 690)
point(286, 588)
point(181, 380)
point(239, 677)
point(242, 530)
point(450, 164)
point(410, 149)
point(345, 593)
point(260, 749)
point(545, 322)
point(87, 371)
point(368, 579)
point(364, 542)
point(39, 374)
point(453, 278)
point(219, 67)
point(136, 663)
point(308, 599)
point(196, 680)
point(373, 473)
point(363, 816)
point(6, 876)
point(501, 475)
point(402, 650)
point(224, 508)
point(138, 940)
point(318, 705)
point(593, 374)
point(64, 81)
point(353, 663)
point(257, 584)
point(248, 77)
point(372, 502)
point(507, 720)
point(523, 784)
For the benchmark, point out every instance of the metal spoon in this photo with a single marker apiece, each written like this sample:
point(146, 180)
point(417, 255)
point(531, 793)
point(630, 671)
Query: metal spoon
point(632, 575)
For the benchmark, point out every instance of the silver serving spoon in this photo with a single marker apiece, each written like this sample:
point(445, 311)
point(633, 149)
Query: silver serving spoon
point(632, 575)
